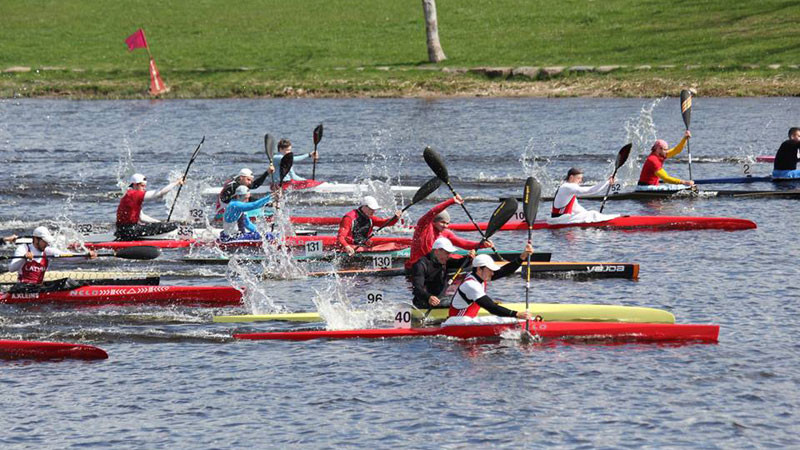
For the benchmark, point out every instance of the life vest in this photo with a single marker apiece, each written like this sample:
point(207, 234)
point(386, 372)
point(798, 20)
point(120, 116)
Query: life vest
point(652, 164)
point(32, 272)
point(362, 226)
point(130, 207)
point(462, 306)
point(555, 212)
point(221, 205)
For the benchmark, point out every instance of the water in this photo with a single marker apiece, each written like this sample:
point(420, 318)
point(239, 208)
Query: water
point(176, 379)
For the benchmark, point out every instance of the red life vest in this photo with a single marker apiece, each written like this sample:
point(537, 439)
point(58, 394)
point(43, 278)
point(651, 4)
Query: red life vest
point(473, 307)
point(130, 207)
point(555, 212)
point(652, 164)
point(32, 272)
point(361, 227)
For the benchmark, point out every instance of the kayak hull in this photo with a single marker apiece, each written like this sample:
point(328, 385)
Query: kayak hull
point(556, 312)
point(603, 331)
point(12, 349)
point(208, 296)
point(630, 223)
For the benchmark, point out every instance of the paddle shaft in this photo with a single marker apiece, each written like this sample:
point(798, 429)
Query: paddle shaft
point(528, 282)
point(314, 162)
point(689, 151)
point(605, 197)
point(185, 173)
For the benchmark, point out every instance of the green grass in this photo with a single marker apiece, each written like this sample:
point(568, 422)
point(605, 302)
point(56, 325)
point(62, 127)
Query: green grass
point(301, 43)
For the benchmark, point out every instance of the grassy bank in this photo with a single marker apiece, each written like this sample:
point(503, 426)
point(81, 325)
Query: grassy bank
point(377, 47)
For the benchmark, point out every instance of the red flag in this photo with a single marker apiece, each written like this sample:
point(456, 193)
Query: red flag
point(157, 86)
point(136, 40)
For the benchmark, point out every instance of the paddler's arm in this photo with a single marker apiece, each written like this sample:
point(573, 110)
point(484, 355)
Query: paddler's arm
point(144, 218)
point(418, 285)
point(664, 176)
point(262, 178)
point(426, 219)
point(679, 148)
point(387, 221)
point(10, 239)
point(301, 157)
point(151, 195)
point(256, 204)
point(489, 305)
point(511, 267)
point(345, 229)
point(465, 243)
point(227, 192)
point(19, 258)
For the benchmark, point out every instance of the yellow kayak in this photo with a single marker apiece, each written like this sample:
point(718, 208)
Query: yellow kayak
point(558, 312)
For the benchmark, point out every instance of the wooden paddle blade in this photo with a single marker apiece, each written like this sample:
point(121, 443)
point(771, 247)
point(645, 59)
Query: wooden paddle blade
point(686, 106)
point(138, 252)
point(622, 156)
point(530, 200)
point(426, 189)
point(436, 163)
point(317, 134)
point(286, 164)
point(269, 146)
point(501, 215)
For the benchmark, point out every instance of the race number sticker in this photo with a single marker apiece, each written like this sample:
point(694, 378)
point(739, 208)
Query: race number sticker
point(185, 232)
point(314, 248)
point(381, 262)
point(402, 319)
point(374, 297)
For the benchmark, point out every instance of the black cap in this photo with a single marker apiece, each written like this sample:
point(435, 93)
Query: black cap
point(573, 171)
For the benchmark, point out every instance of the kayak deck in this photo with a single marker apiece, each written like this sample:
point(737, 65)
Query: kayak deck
point(558, 312)
point(211, 296)
point(12, 349)
point(629, 223)
point(601, 331)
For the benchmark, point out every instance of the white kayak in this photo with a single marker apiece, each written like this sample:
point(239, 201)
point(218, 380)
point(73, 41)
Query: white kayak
point(325, 188)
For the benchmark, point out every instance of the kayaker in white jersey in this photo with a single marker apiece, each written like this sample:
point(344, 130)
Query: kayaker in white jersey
point(566, 208)
point(471, 295)
point(31, 262)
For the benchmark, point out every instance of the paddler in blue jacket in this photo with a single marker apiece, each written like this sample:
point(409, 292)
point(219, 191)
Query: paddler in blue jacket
point(245, 178)
point(236, 224)
point(284, 148)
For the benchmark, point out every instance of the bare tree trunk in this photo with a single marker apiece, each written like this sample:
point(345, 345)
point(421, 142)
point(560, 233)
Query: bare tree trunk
point(435, 52)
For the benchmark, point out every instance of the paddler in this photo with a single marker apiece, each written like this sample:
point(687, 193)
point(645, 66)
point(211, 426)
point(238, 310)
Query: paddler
point(132, 223)
point(433, 225)
point(245, 178)
point(653, 169)
point(785, 165)
point(566, 208)
point(284, 148)
point(429, 275)
point(236, 224)
point(355, 228)
point(471, 295)
point(31, 262)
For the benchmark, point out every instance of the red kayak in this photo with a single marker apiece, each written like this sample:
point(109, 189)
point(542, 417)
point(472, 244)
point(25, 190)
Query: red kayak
point(630, 223)
point(48, 350)
point(210, 296)
point(628, 332)
point(765, 159)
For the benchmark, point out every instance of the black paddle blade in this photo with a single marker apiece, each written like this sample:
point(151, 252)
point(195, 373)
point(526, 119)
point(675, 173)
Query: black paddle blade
point(501, 215)
point(269, 146)
point(530, 200)
point(436, 163)
point(426, 189)
point(138, 252)
point(317, 134)
point(286, 164)
point(686, 106)
point(622, 156)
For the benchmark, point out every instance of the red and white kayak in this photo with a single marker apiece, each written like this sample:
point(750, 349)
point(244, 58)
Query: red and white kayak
point(606, 331)
point(320, 187)
point(630, 223)
point(10, 349)
point(209, 296)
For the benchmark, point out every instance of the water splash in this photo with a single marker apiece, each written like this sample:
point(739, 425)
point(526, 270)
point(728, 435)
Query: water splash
point(535, 165)
point(641, 132)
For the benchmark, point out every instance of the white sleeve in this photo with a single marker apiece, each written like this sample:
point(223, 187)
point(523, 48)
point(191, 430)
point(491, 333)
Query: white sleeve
point(16, 264)
point(151, 195)
point(147, 219)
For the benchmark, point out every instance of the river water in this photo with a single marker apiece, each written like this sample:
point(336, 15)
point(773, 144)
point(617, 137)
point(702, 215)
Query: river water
point(175, 379)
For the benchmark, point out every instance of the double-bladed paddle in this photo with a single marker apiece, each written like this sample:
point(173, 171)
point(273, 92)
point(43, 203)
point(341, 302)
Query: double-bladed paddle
point(686, 111)
point(317, 138)
point(142, 252)
point(422, 193)
point(286, 165)
point(530, 206)
point(622, 156)
point(501, 215)
point(269, 148)
point(185, 173)
point(436, 163)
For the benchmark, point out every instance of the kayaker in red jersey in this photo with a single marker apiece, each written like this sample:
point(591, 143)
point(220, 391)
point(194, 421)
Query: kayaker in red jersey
point(433, 225)
point(355, 228)
point(132, 223)
point(31, 262)
point(471, 295)
point(653, 169)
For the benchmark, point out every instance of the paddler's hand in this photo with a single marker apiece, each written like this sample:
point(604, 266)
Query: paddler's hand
point(458, 199)
point(524, 315)
point(350, 250)
point(612, 179)
point(687, 183)
point(92, 254)
point(527, 252)
point(687, 134)
point(314, 156)
point(434, 300)
point(472, 254)
point(271, 168)
point(29, 256)
point(398, 214)
point(180, 181)
point(488, 244)
point(10, 239)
